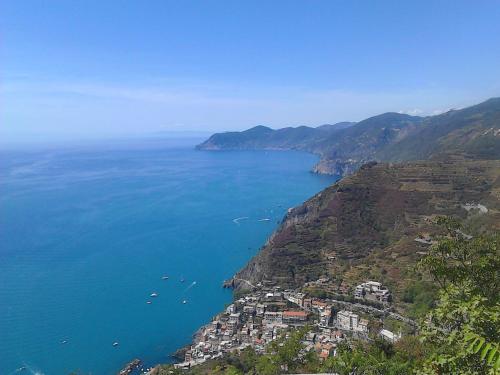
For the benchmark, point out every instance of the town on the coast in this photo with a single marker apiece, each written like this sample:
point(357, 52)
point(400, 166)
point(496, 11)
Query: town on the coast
point(270, 312)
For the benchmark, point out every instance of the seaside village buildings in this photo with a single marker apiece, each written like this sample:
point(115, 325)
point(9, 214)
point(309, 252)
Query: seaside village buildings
point(265, 315)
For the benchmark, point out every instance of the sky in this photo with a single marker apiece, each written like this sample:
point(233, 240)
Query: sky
point(90, 69)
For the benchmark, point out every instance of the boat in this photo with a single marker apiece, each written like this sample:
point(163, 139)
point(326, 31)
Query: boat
point(182, 279)
point(64, 341)
point(115, 343)
point(149, 302)
point(154, 295)
point(164, 277)
point(184, 302)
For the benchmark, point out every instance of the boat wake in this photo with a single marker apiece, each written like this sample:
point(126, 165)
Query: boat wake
point(238, 219)
point(25, 369)
point(190, 286)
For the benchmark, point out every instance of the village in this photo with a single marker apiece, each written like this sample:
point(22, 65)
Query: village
point(268, 313)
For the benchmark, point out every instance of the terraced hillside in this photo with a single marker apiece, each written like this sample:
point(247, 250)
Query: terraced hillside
point(365, 226)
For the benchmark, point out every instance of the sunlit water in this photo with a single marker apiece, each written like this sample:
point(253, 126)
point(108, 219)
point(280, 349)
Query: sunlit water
point(86, 234)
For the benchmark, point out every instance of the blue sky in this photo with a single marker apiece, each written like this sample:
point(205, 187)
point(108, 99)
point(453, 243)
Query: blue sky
point(119, 68)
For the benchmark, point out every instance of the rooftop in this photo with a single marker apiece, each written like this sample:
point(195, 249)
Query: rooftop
point(294, 313)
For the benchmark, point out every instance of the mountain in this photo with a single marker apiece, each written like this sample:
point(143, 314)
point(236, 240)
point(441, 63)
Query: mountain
point(264, 138)
point(343, 148)
point(346, 150)
point(364, 227)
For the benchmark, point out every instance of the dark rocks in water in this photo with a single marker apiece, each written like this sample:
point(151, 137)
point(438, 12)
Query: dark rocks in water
point(228, 284)
point(130, 367)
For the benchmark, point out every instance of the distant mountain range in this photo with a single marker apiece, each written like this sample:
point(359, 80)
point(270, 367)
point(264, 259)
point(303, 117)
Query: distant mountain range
point(472, 132)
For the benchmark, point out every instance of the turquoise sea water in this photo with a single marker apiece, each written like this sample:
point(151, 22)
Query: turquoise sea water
point(87, 232)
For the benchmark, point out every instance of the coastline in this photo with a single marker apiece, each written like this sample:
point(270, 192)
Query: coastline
point(250, 322)
point(177, 356)
point(234, 283)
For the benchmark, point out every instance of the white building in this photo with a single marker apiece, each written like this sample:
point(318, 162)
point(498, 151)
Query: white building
point(389, 336)
point(349, 321)
point(295, 298)
point(372, 290)
point(231, 309)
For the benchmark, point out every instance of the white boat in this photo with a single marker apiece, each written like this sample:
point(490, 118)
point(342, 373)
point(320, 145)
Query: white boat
point(115, 343)
point(184, 302)
point(154, 295)
point(164, 277)
point(149, 302)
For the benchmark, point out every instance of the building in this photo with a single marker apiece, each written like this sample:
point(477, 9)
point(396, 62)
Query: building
point(319, 305)
point(325, 318)
point(295, 317)
point(296, 298)
point(325, 350)
point(233, 322)
point(363, 326)
point(271, 317)
point(260, 309)
point(349, 321)
point(389, 336)
point(372, 290)
point(249, 308)
point(307, 303)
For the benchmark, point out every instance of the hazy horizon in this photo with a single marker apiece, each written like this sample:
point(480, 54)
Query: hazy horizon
point(87, 70)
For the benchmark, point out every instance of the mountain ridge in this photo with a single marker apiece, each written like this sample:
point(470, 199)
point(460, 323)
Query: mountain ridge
point(388, 137)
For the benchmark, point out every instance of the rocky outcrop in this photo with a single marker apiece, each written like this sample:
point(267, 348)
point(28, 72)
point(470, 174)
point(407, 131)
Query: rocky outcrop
point(337, 167)
point(130, 367)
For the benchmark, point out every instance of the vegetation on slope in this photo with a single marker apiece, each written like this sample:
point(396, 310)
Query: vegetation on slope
point(365, 226)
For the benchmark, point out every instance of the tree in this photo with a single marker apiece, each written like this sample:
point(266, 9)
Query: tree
point(464, 327)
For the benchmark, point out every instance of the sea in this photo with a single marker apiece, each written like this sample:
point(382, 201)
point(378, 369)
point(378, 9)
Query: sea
point(89, 231)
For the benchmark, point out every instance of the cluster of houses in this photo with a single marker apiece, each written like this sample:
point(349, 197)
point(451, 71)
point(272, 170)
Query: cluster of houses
point(265, 315)
point(372, 291)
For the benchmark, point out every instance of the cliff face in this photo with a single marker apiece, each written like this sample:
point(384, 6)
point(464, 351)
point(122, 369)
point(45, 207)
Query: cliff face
point(365, 225)
point(337, 167)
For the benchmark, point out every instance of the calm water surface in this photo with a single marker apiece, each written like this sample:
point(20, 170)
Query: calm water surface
point(86, 234)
